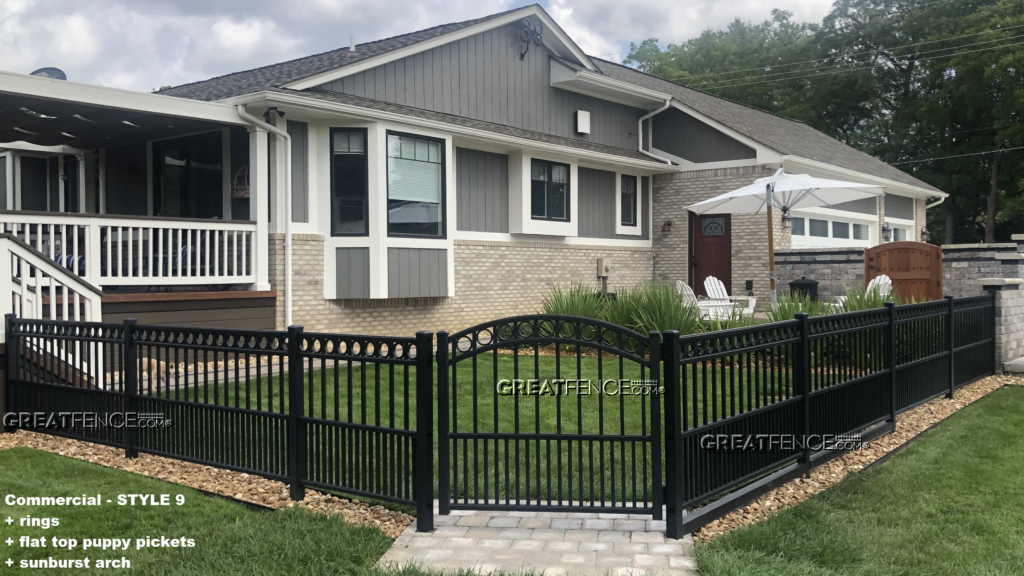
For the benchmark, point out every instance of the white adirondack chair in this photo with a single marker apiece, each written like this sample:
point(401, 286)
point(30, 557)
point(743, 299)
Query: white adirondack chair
point(881, 282)
point(709, 309)
point(716, 291)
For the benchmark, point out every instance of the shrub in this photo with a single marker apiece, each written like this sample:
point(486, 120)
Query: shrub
point(621, 310)
point(576, 300)
point(656, 307)
point(863, 299)
point(735, 319)
point(787, 307)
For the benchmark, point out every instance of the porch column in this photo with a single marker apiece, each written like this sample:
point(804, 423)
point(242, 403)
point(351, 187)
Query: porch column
point(259, 208)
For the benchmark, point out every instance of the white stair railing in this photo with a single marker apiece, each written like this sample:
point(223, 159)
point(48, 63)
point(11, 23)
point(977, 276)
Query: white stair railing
point(34, 286)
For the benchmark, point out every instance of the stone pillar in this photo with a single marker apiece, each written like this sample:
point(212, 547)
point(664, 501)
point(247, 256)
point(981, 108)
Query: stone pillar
point(1009, 300)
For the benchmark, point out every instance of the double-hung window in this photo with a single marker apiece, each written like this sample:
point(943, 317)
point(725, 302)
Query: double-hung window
point(349, 191)
point(628, 200)
point(415, 186)
point(549, 191)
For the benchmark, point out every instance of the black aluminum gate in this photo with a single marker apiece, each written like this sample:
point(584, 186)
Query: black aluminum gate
point(550, 413)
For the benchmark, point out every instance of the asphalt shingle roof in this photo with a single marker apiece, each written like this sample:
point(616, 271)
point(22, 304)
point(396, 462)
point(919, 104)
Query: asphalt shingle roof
point(780, 134)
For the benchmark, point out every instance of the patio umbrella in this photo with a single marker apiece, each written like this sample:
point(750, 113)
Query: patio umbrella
point(790, 191)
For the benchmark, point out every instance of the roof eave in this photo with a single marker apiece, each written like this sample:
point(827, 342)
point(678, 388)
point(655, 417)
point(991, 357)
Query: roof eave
point(896, 186)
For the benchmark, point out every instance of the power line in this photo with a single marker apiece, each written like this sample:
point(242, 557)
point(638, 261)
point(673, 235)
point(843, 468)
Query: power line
point(858, 69)
point(769, 66)
point(957, 156)
point(854, 64)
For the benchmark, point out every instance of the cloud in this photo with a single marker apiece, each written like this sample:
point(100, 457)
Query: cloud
point(144, 44)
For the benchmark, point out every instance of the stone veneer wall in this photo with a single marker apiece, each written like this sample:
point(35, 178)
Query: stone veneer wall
point(675, 191)
point(963, 265)
point(1009, 317)
point(492, 280)
point(835, 269)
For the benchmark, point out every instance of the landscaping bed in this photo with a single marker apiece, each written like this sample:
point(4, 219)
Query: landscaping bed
point(948, 504)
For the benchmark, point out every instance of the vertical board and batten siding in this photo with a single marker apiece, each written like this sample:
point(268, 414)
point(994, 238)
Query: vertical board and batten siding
point(417, 272)
point(299, 131)
point(862, 206)
point(597, 206)
point(352, 269)
point(899, 207)
point(482, 183)
point(481, 77)
point(682, 135)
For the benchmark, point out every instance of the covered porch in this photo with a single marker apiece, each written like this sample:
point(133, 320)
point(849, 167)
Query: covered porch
point(132, 191)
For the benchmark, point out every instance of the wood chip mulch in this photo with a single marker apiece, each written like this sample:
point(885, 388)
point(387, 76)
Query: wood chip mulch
point(908, 425)
point(237, 485)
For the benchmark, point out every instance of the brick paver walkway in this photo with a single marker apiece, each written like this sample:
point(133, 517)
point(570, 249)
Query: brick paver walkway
point(548, 543)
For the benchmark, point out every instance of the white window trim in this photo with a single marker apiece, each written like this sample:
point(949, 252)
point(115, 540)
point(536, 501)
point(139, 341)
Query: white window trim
point(807, 241)
point(908, 225)
point(519, 197)
point(637, 229)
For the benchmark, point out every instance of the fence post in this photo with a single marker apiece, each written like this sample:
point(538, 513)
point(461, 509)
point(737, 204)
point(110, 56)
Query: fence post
point(443, 427)
point(131, 386)
point(802, 372)
point(673, 429)
point(951, 342)
point(296, 436)
point(890, 360)
point(657, 489)
point(423, 476)
point(11, 368)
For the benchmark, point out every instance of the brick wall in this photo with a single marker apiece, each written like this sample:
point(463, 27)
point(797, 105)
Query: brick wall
point(492, 280)
point(674, 192)
point(920, 217)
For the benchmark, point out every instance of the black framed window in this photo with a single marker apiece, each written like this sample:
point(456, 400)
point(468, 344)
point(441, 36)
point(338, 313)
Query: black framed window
point(349, 182)
point(549, 191)
point(628, 200)
point(415, 186)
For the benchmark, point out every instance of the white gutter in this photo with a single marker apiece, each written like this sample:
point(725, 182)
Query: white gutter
point(640, 132)
point(287, 209)
point(934, 204)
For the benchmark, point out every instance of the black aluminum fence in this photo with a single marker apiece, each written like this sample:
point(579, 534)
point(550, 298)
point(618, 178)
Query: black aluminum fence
point(552, 413)
point(823, 377)
point(327, 410)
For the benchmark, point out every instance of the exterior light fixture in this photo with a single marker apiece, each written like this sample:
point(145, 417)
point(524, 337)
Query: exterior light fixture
point(925, 235)
point(887, 232)
point(787, 219)
point(667, 226)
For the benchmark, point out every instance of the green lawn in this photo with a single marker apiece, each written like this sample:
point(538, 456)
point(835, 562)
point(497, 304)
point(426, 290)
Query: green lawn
point(229, 538)
point(950, 503)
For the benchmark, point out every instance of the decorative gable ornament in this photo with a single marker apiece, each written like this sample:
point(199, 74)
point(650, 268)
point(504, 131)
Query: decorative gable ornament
point(530, 33)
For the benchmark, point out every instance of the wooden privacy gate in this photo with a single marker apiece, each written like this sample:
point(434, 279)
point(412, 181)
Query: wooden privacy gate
point(914, 267)
point(550, 413)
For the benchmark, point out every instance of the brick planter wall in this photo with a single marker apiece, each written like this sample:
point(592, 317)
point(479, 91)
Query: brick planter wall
point(492, 280)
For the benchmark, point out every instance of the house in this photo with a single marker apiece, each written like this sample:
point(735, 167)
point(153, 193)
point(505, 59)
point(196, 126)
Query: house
point(431, 180)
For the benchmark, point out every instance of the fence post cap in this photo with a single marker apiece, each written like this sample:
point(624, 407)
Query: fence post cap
point(295, 328)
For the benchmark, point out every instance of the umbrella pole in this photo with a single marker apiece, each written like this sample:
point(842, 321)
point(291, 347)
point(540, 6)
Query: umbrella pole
point(771, 256)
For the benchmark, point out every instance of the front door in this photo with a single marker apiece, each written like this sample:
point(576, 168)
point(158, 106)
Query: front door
point(712, 251)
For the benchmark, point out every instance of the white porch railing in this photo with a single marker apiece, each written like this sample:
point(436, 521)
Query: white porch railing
point(34, 286)
point(121, 251)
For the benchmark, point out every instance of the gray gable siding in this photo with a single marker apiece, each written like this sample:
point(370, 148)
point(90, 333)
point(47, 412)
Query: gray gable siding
point(352, 270)
point(299, 131)
point(481, 179)
point(597, 206)
point(417, 272)
point(682, 135)
point(481, 77)
point(862, 206)
point(899, 207)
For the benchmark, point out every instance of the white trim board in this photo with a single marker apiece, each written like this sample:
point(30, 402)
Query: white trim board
point(801, 165)
point(551, 27)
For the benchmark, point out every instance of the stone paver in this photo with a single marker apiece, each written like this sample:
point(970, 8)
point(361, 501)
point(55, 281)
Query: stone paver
point(546, 543)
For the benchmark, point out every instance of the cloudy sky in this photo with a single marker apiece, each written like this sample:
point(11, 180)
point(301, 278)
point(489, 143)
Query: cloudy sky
point(142, 44)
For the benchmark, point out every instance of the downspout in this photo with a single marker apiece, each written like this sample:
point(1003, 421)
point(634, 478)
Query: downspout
point(640, 132)
point(934, 204)
point(287, 209)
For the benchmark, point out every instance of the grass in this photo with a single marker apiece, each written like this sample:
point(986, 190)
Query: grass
point(949, 504)
point(229, 537)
